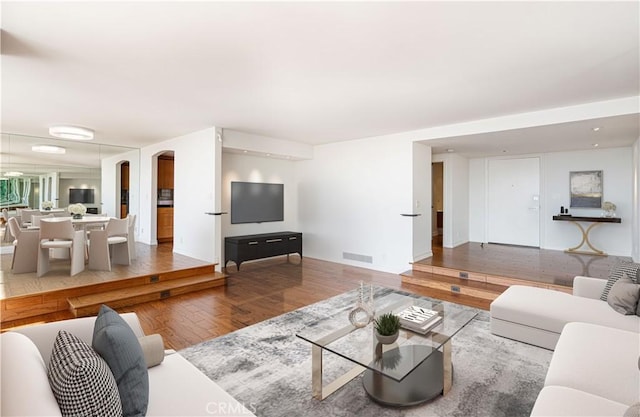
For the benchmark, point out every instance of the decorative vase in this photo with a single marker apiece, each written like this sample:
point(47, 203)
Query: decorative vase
point(77, 216)
point(363, 313)
point(386, 340)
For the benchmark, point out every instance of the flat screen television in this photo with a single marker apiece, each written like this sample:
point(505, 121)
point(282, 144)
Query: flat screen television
point(255, 202)
point(81, 195)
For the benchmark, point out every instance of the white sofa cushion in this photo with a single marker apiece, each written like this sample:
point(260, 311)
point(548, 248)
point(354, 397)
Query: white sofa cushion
point(191, 392)
point(569, 402)
point(551, 310)
point(25, 387)
point(598, 360)
point(43, 335)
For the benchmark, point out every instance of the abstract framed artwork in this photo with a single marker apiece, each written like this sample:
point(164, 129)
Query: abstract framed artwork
point(586, 189)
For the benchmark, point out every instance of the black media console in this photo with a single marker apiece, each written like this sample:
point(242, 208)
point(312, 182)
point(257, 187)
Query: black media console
point(249, 247)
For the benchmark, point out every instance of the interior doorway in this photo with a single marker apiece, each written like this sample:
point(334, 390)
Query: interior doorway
point(437, 208)
point(164, 201)
point(124, 189)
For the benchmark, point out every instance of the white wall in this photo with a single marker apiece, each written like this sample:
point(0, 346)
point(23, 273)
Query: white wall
point(477, 199)
point(237, 167)
point(422, 201)
point(261, 145)
point(616, 165)
point(195, 179)
point(350, 199)
point(636, 202)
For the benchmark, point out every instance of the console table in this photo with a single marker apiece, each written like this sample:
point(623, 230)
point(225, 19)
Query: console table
point(249, 247)
point(585, 233)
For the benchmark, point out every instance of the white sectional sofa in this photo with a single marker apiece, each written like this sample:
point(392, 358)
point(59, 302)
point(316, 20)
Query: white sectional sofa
point(593, 372)
point(537, 315)
point(176, 387)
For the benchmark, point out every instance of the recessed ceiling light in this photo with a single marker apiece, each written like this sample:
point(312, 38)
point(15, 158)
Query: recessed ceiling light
point(71, 132)
point(48, 149)
point(450, 150)
point(595, 129)
point(595, 145)
point(13, 174)
point(268, 154)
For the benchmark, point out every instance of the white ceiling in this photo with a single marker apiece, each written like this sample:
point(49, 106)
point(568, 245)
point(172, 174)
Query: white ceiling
point(314, 72)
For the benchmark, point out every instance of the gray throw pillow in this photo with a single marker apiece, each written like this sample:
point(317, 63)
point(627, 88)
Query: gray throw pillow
point(621, 267)
point(624, 296)
point(81, 380)
point(118, 345)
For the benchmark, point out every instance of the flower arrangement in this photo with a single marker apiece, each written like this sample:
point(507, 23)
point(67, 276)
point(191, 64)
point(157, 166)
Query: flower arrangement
point(609, 209)
point(47, 205)
point(77, 209)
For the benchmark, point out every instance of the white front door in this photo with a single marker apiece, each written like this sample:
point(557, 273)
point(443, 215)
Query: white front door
point(513, 211)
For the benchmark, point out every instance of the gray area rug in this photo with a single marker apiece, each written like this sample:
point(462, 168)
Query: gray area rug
point(268, 369)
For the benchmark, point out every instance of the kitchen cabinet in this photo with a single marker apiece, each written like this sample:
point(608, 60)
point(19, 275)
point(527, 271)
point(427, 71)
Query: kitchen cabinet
point(124, 176)
point(165, 224)
point(165, 173)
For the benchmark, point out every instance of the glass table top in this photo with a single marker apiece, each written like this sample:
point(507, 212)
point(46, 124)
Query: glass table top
point(336, 334)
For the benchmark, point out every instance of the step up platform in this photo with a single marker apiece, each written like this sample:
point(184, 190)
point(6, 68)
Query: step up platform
point(88, 305)
point(115, 291)
point(478, 285)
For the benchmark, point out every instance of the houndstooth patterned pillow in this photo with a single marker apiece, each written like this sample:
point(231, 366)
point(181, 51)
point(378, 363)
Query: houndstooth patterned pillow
point(81, 380)
point(617, 271)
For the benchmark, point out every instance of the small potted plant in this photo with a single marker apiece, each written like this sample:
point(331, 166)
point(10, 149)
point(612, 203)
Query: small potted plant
point(47, 205)
point(387, 328)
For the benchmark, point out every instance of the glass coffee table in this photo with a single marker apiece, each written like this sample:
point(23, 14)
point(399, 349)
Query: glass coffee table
point(414, 369)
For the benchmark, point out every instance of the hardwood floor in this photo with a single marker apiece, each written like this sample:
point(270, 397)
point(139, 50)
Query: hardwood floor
point(259, 291)
point(265, 289)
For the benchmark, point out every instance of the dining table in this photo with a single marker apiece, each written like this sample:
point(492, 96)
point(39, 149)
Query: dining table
point(79, 224)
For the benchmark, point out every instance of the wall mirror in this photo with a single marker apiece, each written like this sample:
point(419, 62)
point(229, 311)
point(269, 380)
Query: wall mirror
point(37, 169)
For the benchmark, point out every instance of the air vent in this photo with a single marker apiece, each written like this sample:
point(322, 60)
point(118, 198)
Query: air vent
point(154, 278)
point(455, 288)
point(165, 294)
point(464, 275)
point(356, 257)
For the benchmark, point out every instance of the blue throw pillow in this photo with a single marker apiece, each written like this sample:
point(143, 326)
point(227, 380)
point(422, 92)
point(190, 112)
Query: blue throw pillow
point(114, 340)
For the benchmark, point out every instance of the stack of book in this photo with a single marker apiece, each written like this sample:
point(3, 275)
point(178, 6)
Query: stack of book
point(418, 319)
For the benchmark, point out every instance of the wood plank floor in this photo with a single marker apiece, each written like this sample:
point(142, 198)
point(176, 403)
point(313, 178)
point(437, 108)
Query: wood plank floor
point(271, 287)
point(541, 265)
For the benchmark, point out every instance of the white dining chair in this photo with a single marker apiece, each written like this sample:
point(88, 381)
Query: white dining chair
point(60, 234)
point(35, 220)
point(109, 245)
point(8, 237)
point(131, 242)
point(25, 248)
point(26, 215)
